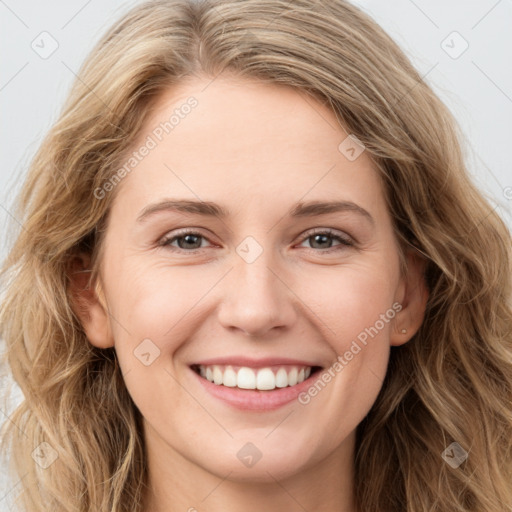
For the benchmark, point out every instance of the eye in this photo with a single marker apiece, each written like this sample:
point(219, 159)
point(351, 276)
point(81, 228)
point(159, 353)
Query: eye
point(321, 238)
point(190, 241)
point(186, 240)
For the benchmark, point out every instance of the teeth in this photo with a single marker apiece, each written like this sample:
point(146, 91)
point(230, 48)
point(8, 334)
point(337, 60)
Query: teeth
point(281, 378)
point(217, 375)
point(292, 377)
point(264, 379)
point(229, 378)
point(246, 379)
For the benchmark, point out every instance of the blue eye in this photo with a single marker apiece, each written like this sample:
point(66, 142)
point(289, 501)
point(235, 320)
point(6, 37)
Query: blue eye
point(190, 241)
point(189, 238)
point(320, 237)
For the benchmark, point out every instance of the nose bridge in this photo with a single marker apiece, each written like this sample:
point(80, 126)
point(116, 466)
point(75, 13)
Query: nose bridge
point(256, 299)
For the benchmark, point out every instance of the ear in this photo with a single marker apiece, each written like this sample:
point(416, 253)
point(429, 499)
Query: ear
point(412, 294)
point(88, 302)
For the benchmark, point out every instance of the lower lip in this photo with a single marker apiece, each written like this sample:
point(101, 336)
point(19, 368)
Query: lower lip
point(254, 399)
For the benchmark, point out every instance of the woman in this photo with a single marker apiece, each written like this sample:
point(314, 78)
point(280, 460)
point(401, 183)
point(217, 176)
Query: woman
point(255, 369)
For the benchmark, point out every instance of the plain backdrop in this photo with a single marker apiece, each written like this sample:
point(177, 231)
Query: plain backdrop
point(462, 48)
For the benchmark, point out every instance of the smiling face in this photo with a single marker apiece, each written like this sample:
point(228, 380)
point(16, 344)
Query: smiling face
point(260, 278)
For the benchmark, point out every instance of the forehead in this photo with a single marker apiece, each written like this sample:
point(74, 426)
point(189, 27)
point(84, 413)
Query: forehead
point(236, 140)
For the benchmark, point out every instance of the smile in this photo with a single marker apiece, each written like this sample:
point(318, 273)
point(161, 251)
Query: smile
point(262, 379)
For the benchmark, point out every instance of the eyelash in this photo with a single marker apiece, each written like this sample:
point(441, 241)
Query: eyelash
point(344, 241)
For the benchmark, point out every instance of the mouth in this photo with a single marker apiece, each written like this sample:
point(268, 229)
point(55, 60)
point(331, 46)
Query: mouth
point(265, 379)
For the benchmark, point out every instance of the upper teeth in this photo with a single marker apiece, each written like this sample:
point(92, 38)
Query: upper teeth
point(247, 378)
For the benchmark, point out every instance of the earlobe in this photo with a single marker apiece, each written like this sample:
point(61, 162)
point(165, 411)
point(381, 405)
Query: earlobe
point(414, 294)
point(88, 302)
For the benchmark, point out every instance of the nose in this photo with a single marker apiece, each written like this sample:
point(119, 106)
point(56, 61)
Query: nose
point(256, 298)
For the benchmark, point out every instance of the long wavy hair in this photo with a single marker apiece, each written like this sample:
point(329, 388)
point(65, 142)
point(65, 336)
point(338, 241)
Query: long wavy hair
point(451, 383)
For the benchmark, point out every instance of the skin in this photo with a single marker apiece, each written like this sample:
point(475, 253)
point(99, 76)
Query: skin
point(257, 150)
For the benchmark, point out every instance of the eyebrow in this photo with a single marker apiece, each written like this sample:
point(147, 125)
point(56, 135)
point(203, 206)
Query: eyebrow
point(210, 209)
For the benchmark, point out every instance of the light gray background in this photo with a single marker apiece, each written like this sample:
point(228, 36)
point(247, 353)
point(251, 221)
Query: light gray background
point(477, 85)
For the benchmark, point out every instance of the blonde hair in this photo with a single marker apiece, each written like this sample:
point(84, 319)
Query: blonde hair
point(451, 383)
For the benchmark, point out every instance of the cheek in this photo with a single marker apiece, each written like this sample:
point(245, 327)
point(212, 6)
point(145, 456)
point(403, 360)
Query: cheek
point(159, 302)
point(350, 300)
point(355, 308)
point(155, 314)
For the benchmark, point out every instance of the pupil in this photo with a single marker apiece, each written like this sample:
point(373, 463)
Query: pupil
point(324, 237)
point(186, 238)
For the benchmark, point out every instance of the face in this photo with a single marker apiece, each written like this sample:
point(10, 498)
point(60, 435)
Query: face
point(270, 282)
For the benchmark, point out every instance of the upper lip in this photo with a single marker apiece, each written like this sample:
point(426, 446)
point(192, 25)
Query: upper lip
point(254, 363)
